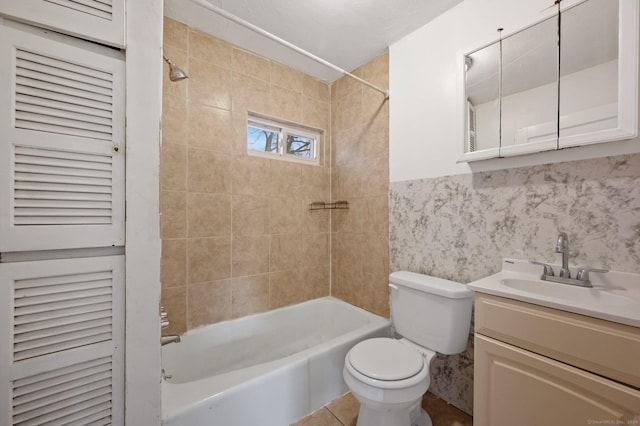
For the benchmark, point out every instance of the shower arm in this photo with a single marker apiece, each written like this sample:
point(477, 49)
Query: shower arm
point(285, 43)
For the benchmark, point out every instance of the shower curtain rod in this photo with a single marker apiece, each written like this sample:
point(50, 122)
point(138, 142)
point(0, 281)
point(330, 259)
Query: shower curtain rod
point(285, 43)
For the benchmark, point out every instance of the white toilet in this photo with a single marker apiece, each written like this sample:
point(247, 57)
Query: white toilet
point(389, 376)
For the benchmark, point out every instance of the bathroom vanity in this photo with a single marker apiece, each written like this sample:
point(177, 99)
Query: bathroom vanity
point(556, 355)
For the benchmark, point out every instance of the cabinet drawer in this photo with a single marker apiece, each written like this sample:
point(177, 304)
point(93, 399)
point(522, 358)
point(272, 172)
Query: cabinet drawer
point(602, 347)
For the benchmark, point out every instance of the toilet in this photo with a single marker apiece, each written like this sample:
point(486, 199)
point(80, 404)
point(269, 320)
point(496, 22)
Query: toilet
point(389, 376)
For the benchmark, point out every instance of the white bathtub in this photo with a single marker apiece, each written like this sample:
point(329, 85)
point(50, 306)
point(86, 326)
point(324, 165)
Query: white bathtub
point(266, 369)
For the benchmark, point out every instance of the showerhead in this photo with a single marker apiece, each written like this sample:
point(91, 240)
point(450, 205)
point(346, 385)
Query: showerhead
point(175, 73)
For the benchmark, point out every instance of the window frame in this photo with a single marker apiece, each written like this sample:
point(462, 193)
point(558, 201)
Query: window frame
point(284, 129)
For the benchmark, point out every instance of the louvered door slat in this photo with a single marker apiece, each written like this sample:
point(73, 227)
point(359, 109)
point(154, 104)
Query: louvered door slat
point(69, 413)
point(62, 313)
point(39, 408)
point(65, 126)
point(50, 65)
point(34, 168)
point(75, 326)
point(90, 378)
point(61, 305)
point(53, 297)
point(89, 7)
point(66, 80)
point(54, 104)
point(74, 341)
point(55, 322)
point(88, 119)
point(21, 196)
point(60, 158)
point(26, 82)
point(23, 286)
point(23, 386)
point(68, 101)
point(76, 179)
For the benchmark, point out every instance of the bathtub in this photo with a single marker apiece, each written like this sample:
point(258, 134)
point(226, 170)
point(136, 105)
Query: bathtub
point(269, 369)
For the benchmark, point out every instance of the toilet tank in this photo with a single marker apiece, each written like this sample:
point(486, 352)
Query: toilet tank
point(433, 312)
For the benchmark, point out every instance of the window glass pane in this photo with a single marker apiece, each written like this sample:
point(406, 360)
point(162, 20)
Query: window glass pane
point(300, 146)
point(264, 140)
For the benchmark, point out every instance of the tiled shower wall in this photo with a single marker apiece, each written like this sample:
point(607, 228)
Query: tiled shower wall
point(460, 227)
point(360, 175)
point(237, 236)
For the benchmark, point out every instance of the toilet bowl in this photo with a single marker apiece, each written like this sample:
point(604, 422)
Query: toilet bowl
point(390, 376)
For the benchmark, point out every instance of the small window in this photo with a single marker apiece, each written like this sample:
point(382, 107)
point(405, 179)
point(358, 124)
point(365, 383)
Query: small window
point(273, 138)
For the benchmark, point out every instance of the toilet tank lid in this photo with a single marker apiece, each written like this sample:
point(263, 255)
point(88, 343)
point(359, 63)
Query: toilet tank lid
point(429, 284)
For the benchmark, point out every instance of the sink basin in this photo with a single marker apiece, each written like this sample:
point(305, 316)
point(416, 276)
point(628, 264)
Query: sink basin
point(567, 292)
point(615, 296)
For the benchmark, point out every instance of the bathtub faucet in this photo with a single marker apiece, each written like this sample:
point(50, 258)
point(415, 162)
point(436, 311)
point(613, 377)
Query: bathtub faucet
point(165, 340)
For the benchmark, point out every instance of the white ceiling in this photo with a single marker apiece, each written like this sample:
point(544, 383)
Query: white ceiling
point(347, 33)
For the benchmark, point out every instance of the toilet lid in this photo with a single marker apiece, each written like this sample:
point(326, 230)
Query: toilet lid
point(385, 359)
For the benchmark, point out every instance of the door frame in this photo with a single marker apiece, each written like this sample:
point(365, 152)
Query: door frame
point(144, 20)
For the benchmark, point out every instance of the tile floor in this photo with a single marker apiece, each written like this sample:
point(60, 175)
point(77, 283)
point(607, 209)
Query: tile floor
point(344, 412)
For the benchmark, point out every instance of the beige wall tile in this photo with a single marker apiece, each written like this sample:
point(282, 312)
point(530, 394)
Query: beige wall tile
point(286, 104)
point(174, 120)
point(315, 250)
point(285, 77)
point(315, 88)
point(208, 303)
point(209, 171)
point(174, 300)
point(209, 215)
point(250, 176)
point(175, 34)
point(285, 215)
point(249, 295)
point(209, 259)
point(251, 65)
point(348, 112)
point(376, 221)
point(250, 255)
point(173, 210)
point(285, 252)
point(315, 113)
point(250, 215)
point(377, 71)
point(314, 282)
point(173, 167)
point(209, 84)
point(173, 265)
point(209, 49)
point(210, 128)
point(285, 178)
point(250, 94)
point(285, 288)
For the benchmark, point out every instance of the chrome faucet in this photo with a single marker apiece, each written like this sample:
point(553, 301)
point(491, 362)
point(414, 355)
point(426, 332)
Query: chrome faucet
point(165, 340)
point(564, 277)
point(562, 246)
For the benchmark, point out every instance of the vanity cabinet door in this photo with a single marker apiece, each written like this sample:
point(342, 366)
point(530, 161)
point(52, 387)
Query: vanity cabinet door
point(517, 387)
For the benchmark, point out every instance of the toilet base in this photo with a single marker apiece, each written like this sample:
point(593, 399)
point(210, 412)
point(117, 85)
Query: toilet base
point(415, 416)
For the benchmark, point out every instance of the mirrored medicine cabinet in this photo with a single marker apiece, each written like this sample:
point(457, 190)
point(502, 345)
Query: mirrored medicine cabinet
point(568, 80)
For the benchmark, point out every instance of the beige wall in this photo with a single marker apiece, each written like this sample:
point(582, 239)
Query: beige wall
point(360, 175)
point(237, 236)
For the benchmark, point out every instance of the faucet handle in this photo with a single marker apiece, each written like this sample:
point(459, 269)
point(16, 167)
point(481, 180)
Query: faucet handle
point(583, 273)
point(547, 269)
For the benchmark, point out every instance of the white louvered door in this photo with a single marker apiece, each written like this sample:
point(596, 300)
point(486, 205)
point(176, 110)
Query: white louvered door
point(98, 20)
point(62, 158)
point(61, 361)
point(62, 148)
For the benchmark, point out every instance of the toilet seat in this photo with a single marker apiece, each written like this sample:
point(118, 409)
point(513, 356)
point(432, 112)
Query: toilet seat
point(386, 363)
